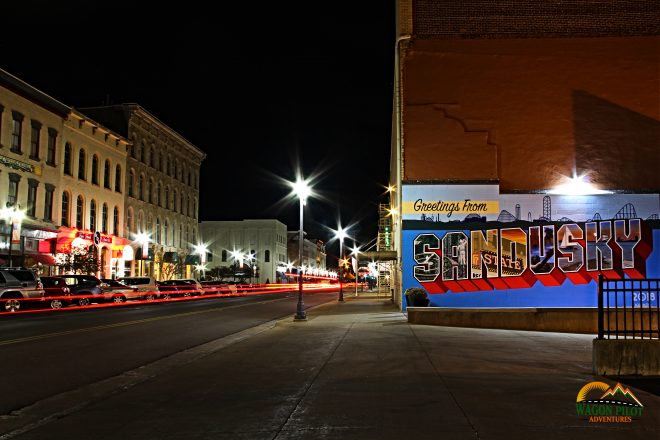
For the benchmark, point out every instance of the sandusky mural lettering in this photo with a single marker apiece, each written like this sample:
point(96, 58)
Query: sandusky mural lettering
point(510, 258)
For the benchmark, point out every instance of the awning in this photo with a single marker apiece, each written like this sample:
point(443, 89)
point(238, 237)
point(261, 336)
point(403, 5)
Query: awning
point(45, 259)
point(192, 260)
point(170, 257)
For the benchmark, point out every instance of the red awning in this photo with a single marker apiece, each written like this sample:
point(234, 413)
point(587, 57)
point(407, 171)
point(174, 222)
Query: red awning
point(45, 259)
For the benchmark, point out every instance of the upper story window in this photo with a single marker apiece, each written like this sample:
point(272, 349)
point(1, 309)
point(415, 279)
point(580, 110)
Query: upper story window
point(142, 151)
point(95, 169)
point(140, 187)
point(92, 215)
point(35, 140)
point(106, 174)
point(16, 132)
point(104, 219)
point(51, 154)
point(118, 178)
point(48, 202)
point(32, 197)
point(68, 169)
point(115, 222)
point(131, 180)
point(150, 191)
point(80, 209)
point(12, 192)
point(66, 201)
point(267, 256)
point(81, 164)
point(224, 255)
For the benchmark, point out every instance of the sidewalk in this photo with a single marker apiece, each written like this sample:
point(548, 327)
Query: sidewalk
point(358, 370)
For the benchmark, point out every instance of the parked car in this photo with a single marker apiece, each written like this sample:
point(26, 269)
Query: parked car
point(19, 286)
point(216, 287)
point(181, 287)
point(57, 293)
point(147, 286)
point(86, 289)
point(121, 292)
point(188, 284)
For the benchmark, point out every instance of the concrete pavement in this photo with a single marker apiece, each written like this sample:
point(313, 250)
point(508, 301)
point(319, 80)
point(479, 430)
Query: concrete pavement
point(358, 370)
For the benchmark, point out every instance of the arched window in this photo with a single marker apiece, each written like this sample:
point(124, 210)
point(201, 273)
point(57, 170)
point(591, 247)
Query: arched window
point(153, 159)
point(81, 164)
point(106, 174)
point(267, 256)
point(104, 219)
point(158, 237)
point(158, 195)
point(180, 235)
point(118, 179)
point(166, 237)
point(140, 187)
point(95, 169)
point(174, 200)
point(67, 159)
point(167, 197)
point(142, 148)
point(115, 222)
point(173, 233)
point(182, 205)
point(92, 215)
point(131, 180)
point(80, 207)
point(194, 235)
point(66, 207)
point(140, 222)
point(150, 190)
point(224, 255)
point(195, 208)
point(129, 222)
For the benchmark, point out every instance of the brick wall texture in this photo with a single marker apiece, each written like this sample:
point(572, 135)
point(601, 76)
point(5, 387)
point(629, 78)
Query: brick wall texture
point(535, 18)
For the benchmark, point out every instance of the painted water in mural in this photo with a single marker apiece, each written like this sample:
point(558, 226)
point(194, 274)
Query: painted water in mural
point(468, 246)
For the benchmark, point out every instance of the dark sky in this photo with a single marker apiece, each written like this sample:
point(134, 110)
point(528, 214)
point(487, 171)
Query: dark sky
point(262, 90)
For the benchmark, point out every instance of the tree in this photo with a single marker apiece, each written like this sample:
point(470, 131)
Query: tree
point(173, 269)
point(81, 260)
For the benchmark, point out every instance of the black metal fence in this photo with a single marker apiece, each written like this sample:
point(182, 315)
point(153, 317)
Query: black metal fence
point(628, 309)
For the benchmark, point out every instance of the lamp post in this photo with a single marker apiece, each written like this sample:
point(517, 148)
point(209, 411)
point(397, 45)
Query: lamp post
point(143, 239)
point(355, 251)
point(202, 250)
point(341, 234)
point(302, 190)
point(14, 216)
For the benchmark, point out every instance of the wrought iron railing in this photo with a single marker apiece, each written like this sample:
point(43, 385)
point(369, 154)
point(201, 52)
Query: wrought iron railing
point(628, 308)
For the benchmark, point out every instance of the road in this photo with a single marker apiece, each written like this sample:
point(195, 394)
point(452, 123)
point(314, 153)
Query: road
point(44, 354)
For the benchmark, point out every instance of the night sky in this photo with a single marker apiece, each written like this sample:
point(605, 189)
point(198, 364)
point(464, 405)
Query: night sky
point(262, 90)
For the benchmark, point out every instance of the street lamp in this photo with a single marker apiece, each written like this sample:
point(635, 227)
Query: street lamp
point(14, 216)
point(202, 250)
point(341, 234)
point(355, 251)
point(143, 239)
point(302, 190)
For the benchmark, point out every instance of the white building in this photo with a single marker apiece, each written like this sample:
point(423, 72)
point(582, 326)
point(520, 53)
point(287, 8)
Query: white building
point(265, 240)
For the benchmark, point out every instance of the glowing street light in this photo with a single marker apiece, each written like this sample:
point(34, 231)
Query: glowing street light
point(202, 250)
point(340, 233)
point(302, 190)
point(14, 216)
point(143, 239)
point(356, 251)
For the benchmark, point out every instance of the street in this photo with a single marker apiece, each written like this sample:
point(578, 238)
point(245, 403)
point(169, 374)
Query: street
point(44, 354)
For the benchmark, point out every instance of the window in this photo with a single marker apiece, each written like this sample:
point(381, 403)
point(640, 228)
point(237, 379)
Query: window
point(167, 197)
point(139, 227)
point(12, 193)
point(118, 179)
point(52, 146)
point(32, 197)
point(92, 215)
point(209, 256)
point(16, 129)
point(175, 199)
point(129, 222)
point(142, 148)
point(140, 187)
point(67, 159)
point(150, 190)
point(180, 234)
point(115, 222)
point(65, 208)
point(158, 194)
point(152, 157)
point(131, 178)
point(267, 256)
point(158, 230)
point(195, 208)
point(34, 140)
point(106, 174)
point(2, 109)
point(104, 219)
point(80, 206)
point(95, 170)
point(224, 255)
point(166, 236)
point(81, 164)
point(48, 202)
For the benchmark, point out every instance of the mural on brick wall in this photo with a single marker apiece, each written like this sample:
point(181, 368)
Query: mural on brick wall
point(467, 245)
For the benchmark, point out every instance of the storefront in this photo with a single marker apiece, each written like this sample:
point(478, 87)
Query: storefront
point(114, 254)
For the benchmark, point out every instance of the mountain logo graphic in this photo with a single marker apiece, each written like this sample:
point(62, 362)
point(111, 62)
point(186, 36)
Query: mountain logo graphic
point(616, 404)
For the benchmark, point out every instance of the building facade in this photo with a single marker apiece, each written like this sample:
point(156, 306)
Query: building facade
point(314, 255)
point(31, 125)
point(161, 191)
point(262, 245)
point(525, 149)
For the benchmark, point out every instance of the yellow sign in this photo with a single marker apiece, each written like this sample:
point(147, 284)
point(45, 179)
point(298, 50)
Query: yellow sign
point(450, 207)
